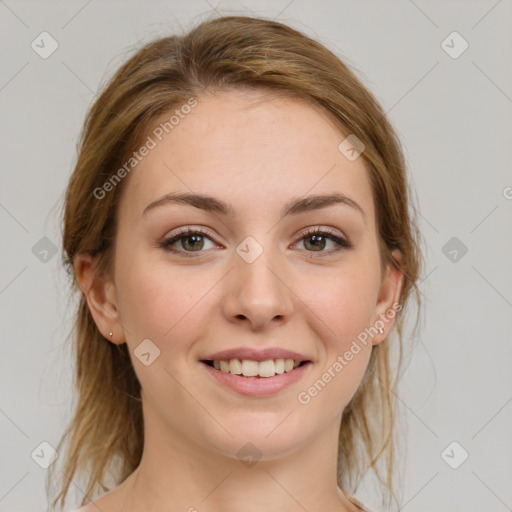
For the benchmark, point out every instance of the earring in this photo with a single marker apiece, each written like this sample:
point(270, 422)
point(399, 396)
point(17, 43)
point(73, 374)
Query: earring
point(110, 334)
point(381, 331)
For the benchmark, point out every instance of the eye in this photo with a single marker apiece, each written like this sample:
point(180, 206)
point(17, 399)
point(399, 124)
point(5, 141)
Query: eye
point(316, 239)
point(190, 240)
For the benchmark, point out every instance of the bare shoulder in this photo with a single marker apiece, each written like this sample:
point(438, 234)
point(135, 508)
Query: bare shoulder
point(95, 506)
point(112, 501)
point(90, 507)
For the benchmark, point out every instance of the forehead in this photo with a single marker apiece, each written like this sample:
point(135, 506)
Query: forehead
point(254, 149)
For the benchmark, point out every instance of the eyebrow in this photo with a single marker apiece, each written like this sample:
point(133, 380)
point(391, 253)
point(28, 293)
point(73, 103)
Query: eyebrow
point(293, 207)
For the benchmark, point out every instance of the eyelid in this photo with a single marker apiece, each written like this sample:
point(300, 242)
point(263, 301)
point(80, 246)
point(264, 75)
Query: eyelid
point(319, 229)
point(188, 230)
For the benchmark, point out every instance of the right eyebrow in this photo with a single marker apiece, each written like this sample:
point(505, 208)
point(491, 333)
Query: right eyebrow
point(201, 201)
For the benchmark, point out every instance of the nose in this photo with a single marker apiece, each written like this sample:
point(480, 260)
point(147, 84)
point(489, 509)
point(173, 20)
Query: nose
point(257, 293)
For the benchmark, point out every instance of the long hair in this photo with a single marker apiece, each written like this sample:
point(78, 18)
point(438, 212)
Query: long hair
point(103, 441)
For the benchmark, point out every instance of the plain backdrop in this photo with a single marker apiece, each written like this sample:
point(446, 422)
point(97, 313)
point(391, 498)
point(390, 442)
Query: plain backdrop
point(452, 107)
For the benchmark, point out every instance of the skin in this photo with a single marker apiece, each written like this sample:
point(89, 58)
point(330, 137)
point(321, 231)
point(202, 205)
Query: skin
point(256, 153)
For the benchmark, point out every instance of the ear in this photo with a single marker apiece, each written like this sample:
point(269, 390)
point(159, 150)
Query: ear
point(387, 304)
point(99, 291)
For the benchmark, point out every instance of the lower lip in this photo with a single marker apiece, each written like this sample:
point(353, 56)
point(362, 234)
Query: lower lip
point(258, 386)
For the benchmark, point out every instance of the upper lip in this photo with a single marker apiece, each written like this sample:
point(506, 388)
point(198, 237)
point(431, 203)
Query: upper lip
point(256, 354)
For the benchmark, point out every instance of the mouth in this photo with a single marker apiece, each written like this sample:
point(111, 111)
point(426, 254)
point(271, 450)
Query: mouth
point(255, 369)
point(257, 379)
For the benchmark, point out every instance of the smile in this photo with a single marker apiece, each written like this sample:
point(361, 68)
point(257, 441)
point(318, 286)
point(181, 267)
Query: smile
point(251, 368)
point(256, 378)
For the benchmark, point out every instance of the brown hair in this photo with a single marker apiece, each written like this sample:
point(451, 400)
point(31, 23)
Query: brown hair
point(105, 436)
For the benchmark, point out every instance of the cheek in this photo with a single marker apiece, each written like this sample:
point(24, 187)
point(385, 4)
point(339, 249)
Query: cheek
point(345, 309)
point(345, 304)
point(344, 300)
point(158, 300)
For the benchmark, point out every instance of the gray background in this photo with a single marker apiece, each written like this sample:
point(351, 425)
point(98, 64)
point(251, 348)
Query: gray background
point(454, 116)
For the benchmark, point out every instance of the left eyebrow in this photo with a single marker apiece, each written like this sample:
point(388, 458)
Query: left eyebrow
point(318, 201)
point(293, 207)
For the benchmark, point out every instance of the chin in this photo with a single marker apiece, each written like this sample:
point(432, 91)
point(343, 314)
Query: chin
point(269, 438)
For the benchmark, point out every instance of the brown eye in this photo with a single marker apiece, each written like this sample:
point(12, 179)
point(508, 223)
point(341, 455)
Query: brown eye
point(192, 242)
point(186, 242)
point(316, 240)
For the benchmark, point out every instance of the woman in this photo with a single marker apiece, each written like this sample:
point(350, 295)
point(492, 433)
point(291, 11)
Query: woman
point(238, 226)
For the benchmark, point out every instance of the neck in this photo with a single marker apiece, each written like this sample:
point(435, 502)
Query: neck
point(178, 474)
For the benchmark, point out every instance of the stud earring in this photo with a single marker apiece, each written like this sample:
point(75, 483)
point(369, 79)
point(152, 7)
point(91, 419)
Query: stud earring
point(381, 331)
point(110, 334)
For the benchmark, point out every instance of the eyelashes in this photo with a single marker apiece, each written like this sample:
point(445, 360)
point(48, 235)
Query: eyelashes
point(317, 235)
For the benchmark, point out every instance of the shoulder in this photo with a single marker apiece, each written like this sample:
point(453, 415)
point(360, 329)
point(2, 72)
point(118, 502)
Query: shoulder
point(92, 506)
point(111, 501)
point(356, 501)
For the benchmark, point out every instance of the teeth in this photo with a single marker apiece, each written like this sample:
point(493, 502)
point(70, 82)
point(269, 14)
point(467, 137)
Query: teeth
point(249, 368)
point(267, 368)
point(235, 367)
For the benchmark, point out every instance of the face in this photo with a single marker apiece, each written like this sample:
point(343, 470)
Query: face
point(252, 277)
